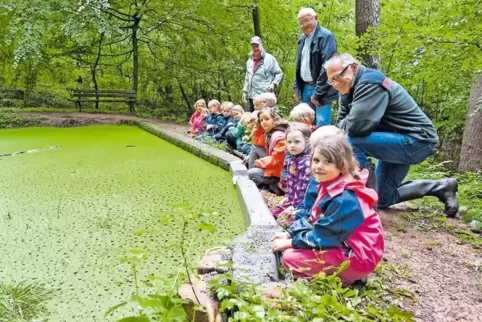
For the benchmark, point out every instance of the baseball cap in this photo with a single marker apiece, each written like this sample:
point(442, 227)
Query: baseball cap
point(256, 40)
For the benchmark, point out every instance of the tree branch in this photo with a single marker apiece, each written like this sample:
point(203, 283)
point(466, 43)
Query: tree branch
point(115, 55)
point(457, 42)
point(118, 41)
point(117, 17)
point(120, 12)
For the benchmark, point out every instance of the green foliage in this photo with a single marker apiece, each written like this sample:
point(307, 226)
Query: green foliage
point(320, 299)
point(23, 302)
point(11, 119)
point(157, 299)
point(469, 193)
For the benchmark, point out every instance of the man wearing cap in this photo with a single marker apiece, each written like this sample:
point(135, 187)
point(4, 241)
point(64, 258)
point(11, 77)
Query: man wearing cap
point(263, 73)
point(315, 47)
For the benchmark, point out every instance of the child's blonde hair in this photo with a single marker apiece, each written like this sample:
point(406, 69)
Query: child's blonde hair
point(324, 132)
point(247, 117)
point(298, 126)
point(337, 149)
point(264, 100)
point(269, 99)
point(238, 108)
point(227, 104)
point(214, 102)
point(199, 101)
point(302, 113)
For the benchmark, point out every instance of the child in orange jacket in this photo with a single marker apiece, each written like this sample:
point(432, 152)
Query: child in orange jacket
point(266, 169)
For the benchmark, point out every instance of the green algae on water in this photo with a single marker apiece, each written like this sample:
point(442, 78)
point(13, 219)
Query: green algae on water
point(67, 214)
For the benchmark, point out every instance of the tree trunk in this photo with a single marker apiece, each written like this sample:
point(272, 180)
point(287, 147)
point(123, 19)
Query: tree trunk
point(368, 15)
point(471, 152)
point(94, 70)
point(135, 59)
point(183, 92)
point(256, 21)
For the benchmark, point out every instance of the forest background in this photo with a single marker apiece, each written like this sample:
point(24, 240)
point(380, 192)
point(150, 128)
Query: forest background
point(174, 52)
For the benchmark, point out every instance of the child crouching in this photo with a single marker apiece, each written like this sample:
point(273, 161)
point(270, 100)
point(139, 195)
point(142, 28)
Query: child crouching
point(298, 172)
point(239, 137)
point(196, 122)
point(266, 162)
point(343, 225)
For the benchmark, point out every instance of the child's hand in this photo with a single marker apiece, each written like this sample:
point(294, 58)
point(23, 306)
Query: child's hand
point(279, 245)
point(287, 212)
point(281, 235)
point(210, 126)
point(257, 164)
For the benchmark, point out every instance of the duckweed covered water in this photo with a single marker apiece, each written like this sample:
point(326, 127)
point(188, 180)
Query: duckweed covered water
point(67, 213)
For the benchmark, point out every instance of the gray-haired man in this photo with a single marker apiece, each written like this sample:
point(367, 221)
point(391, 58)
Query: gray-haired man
point(383, 121)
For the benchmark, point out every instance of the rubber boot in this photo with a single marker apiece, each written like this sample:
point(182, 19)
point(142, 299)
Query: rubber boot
point(445, 190)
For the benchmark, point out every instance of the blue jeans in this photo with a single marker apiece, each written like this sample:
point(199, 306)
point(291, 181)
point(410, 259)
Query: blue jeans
point(323, 113)
point(395, 153)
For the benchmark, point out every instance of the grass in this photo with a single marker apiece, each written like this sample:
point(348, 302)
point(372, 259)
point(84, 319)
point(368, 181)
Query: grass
point(470, 188)
point(431, 217)
point(24, 301)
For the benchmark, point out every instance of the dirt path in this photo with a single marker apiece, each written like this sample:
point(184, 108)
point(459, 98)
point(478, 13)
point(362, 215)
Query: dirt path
point(444, 274)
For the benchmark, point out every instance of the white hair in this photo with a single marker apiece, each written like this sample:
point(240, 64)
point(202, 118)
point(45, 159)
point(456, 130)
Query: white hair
point(345, 59)
point(213, 102)
point(307, 10)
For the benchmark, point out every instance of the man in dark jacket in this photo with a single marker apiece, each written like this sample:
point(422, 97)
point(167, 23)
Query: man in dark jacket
point(315, 47)
point(383, 121)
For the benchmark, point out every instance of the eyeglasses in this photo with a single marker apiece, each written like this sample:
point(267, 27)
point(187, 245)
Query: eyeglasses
point(305, 21)
point(338, 76)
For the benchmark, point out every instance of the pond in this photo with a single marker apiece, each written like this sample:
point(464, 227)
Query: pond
point(78, 198)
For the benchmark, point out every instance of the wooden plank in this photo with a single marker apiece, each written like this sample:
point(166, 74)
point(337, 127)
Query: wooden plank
point(104, 95)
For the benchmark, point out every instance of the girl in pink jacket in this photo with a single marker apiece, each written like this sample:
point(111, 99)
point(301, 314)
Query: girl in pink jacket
point(343, 225)
point(196, 122)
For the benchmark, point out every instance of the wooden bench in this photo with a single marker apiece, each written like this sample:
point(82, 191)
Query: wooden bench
point(80, 96)
point(12, 93)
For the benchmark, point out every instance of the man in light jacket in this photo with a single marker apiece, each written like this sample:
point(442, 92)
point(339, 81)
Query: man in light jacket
point(263, 73)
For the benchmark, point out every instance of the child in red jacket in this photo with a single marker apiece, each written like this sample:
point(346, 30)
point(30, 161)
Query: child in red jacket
point(343, 225)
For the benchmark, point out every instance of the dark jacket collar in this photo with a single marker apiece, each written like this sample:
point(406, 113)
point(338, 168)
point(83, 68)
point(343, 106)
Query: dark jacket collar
point(359, 72)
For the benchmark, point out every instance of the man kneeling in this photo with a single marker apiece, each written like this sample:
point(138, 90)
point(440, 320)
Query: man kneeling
point(383, 121)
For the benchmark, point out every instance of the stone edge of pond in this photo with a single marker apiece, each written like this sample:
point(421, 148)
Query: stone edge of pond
point(253, 260)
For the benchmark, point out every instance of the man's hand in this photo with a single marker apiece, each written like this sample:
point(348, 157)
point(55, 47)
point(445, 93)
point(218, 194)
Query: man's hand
point(244, 98)
point(210, 126)
point(270, 88)
point(296, 96)
point(281, 235)
point(279, 245)
point(315, 101)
